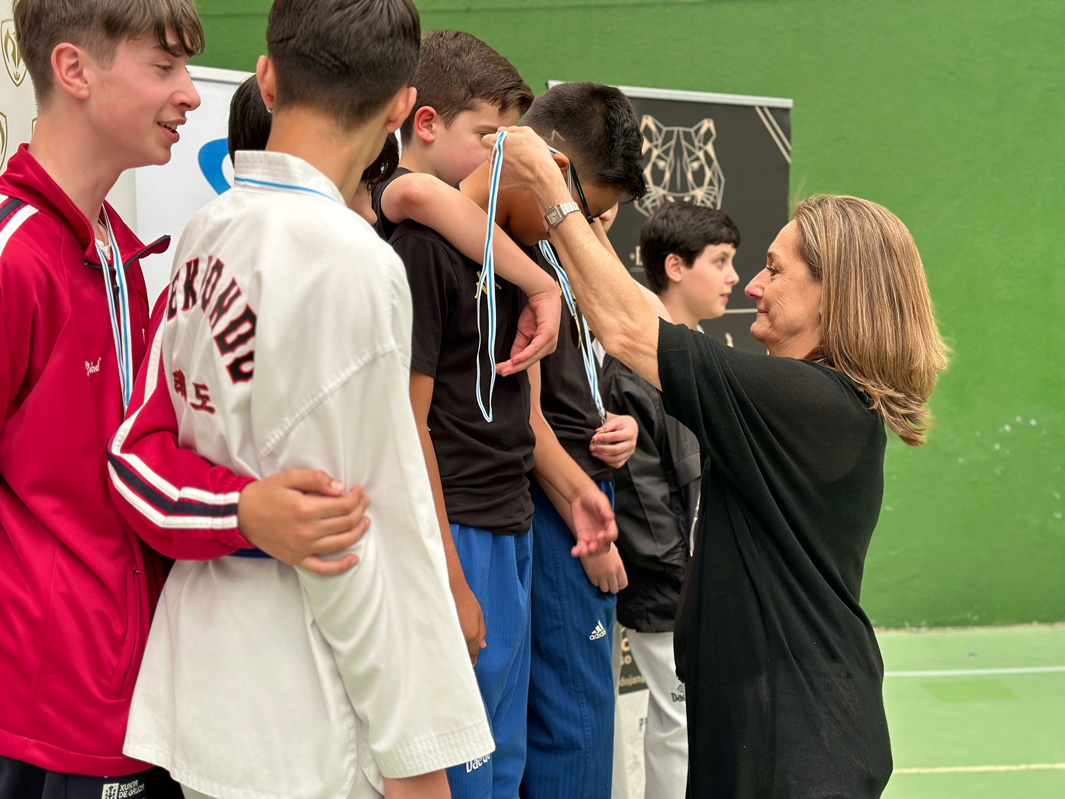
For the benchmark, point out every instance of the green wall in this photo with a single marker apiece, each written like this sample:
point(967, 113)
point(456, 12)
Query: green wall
point(949, 112)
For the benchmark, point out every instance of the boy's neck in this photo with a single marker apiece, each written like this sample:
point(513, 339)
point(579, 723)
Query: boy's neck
point(83, 168)
point(414, 158)
point(342, 156)
point(678, 310)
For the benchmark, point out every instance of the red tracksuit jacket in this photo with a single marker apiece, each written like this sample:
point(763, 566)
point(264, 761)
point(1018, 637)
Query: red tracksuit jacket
point(77, 584)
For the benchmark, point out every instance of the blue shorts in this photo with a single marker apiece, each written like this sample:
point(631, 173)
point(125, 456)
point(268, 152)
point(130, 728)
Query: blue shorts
point(571, 690)
point(498, 569)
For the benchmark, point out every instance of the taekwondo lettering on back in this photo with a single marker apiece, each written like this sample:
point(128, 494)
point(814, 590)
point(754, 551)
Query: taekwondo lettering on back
point(230, 318)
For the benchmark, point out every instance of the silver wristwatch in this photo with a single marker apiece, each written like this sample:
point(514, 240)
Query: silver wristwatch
point(556, 213)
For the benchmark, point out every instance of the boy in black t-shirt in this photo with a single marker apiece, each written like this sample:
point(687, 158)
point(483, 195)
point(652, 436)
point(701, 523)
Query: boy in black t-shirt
point(483, 500)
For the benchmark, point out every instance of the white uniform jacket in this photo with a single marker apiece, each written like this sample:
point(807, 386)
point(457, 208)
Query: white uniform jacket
point(287, 344)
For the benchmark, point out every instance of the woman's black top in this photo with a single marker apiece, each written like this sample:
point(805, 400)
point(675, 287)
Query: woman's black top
point(782, 670)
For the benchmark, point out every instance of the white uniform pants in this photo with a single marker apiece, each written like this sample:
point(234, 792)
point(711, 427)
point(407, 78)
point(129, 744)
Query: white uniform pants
point(665, 740)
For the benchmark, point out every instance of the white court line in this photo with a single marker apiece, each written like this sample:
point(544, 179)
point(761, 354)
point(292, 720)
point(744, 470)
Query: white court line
point(975, 769)
point(971, 672)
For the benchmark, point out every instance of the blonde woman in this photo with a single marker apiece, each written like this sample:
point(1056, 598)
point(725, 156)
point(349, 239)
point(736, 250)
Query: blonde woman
point(782, 669)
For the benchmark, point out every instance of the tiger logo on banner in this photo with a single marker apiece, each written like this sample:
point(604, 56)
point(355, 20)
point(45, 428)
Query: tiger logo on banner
point(16, 67)
point(680, 165)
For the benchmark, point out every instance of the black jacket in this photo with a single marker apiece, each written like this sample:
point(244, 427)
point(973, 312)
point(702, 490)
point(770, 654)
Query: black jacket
point(656, 494)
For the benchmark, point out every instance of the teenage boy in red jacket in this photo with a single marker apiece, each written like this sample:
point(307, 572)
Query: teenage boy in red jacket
point(78, 586)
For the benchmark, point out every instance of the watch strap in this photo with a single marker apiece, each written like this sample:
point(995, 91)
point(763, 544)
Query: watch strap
point(556, 213)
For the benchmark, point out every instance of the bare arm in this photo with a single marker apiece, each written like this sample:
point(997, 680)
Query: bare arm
point(580, 503)
point(431, 202)
point(577, 499)
point(612, 301)
point(471, 619)
point(425, 786)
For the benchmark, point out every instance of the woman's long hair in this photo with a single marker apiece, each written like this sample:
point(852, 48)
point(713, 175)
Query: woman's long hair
point(876, 313)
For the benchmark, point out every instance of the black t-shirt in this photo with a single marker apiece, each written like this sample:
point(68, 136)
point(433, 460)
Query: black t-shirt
point(782, 668)
point(565, 396)
point(482, 464)
point(384, 227)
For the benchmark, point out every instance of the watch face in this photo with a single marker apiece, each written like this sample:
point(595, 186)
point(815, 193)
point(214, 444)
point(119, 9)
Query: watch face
point(556, 213)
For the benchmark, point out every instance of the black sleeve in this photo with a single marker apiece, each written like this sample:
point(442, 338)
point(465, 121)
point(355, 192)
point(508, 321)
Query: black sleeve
point(384, 226)
point(765, 421)
point(650, 532)
point(433, 290)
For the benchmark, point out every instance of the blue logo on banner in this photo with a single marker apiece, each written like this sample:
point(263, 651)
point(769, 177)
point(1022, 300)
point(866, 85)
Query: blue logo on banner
point(212, 156)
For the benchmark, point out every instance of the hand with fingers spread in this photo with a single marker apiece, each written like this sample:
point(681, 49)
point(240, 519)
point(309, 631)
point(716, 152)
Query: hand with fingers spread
point(615, 441)
point(605, 570)
point(299, 516)
point(592, 522)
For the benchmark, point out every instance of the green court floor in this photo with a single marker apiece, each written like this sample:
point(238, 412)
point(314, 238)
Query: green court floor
point(978, 714)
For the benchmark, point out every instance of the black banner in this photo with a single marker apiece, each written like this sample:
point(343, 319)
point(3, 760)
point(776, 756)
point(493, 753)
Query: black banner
point(725, 151)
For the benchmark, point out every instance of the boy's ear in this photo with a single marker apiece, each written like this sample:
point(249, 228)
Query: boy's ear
point(71, 69)
point(674, 268)
point(402, 103)
point(267, 80)
point(426, 123)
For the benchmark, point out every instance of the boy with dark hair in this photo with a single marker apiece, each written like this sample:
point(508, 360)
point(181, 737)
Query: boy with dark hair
point(686, 251)
point(77, 588)
point(571, 699)
point(465, 91)
point(475, 91)
point(479, 468)
point(260, 679)
point(249, 119)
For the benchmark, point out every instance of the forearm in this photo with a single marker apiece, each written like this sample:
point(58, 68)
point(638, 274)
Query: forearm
point(463, 223)
point(611, 300)
point(424, 786)
point(560, 477)
point(455, 574)
point(613, 303)
point(180, 504)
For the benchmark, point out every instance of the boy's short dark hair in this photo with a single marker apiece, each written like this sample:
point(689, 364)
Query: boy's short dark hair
point(595, 126)
point(99, 26)
point(684, 230)
point(456, 71)
point(250, 123)
point(346, 58)
point(249, 119)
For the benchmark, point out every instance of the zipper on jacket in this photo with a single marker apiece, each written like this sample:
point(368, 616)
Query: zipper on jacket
point(121, 680)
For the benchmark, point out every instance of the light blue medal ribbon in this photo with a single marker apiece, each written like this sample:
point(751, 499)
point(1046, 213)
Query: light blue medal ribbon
point(585, 342)
point(486, 284)
point(120, 324)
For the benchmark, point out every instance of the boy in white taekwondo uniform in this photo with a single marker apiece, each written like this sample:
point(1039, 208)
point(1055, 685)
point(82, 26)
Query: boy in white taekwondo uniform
point(287, 344)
